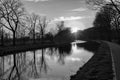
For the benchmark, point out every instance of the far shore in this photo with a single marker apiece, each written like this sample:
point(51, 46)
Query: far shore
point(7, 50)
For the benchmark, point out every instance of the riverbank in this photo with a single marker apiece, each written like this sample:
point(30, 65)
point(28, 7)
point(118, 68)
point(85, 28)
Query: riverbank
point(99, 67)
point(7, 50)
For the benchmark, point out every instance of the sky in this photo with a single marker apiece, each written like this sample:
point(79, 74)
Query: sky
point(75, 13)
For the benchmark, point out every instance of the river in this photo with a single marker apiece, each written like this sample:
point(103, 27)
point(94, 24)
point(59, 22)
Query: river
point(52, 63)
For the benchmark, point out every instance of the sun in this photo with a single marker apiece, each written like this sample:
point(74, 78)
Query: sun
point(74, 30)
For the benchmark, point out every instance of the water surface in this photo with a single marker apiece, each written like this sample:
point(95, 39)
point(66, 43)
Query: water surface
point(54, 63)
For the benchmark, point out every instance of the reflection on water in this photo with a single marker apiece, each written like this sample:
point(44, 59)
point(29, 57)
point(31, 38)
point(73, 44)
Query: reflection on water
point(54, 63)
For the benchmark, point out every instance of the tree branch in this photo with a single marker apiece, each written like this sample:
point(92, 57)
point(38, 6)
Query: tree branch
point(115, 6)
point(6, 26)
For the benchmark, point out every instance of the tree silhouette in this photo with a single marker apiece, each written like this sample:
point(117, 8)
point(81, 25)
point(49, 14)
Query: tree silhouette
point(32, 23)
point(33, 72)
point(14, 68)
point(113, 4)
point(43, 64)
point(11, 13)
point(104, 16)
point(49, 36)
point(2, 34)
point(98, 3)
point(60, 26)
point(105, 19)
point(42, 24)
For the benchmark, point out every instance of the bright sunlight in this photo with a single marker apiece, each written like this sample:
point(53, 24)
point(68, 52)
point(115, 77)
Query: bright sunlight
point(75, 25)
point(74, 30)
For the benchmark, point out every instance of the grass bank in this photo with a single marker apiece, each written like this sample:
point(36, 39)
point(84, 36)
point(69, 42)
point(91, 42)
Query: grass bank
point(99, 67)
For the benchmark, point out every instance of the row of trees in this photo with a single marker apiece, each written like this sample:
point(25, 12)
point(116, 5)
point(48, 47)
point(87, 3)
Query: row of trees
point(14, 18)
point(11, 15)
point(107, 17)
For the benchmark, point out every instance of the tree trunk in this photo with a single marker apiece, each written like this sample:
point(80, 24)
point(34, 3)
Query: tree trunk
point(42, 37)
point(14, 38)
point(2, 40)
point(33, 36)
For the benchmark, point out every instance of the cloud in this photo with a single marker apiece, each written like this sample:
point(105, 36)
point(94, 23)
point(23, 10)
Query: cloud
point(37, 0)
point(79, 9)
point(68, 18)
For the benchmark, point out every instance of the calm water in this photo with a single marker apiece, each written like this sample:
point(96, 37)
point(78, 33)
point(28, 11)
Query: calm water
point(55, 63)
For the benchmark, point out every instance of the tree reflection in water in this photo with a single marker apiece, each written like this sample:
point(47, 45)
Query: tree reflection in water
point(22, 67)
point(14, 71)
point(1, 67)
point(63, 51)
point(43, 63)
point(12, 67)
point(33, 72)
point(19, 66)
point(60, 52)
point(38, 64)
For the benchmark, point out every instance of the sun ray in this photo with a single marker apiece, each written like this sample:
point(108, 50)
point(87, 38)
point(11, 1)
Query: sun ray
point(74, 30)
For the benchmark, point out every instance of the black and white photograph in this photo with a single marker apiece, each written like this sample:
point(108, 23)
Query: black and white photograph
point(59, 39)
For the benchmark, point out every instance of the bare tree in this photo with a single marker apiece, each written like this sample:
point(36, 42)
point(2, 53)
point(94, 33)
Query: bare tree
point(11, 12)
point(115, 9)
point(21, 31)
point(32, 21)
point(42, 24)
point(99, 3)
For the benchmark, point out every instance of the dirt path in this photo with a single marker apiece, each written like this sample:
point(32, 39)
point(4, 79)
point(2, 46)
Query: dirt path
point(115, 50)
